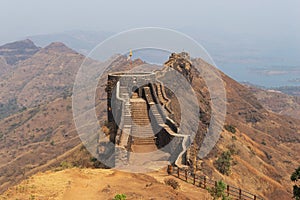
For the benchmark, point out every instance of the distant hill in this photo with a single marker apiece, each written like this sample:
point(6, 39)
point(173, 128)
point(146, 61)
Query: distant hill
point(18, 51)
point(290, 90)
point(41, 77)
point(278, 102)
point(81, 41)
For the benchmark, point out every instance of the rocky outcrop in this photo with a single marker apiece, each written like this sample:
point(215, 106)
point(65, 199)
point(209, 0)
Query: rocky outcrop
point(181, 63)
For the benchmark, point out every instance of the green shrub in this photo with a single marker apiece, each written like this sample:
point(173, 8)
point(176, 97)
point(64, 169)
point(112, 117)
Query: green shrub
point(223, 163)
point(120, 197)
point(233, 149)
point(172, 182)
point(230, 128)
point(218, 192)
point(296, 188)
point(65, 165)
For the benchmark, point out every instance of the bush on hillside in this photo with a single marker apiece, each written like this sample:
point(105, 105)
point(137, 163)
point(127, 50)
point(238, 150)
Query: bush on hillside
point(120, 197)
point(218, 192)
point(172, 182)
point(296, 188)
point(223, 163)
point(230, 128)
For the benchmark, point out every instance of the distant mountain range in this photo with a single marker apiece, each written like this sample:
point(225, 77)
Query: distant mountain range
point(253, 60)
point(81, 41)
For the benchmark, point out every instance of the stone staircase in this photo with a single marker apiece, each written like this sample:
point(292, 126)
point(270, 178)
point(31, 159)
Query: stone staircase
point(139, 112)
point(141, 120)
point(142, 134)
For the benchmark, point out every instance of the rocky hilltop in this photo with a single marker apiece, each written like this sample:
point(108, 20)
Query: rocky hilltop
point(18, 51)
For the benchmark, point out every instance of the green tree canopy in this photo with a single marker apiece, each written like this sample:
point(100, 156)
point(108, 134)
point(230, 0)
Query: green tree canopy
point(296, 188)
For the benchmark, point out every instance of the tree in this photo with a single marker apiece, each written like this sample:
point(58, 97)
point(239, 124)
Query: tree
point(218, 192)
point(296, 188)
point(223, 163)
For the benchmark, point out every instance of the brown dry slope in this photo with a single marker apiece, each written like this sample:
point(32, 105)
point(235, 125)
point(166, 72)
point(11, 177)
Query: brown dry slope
point(34, 137)
point(265, 146)
point(101, 184)
point(37, 124)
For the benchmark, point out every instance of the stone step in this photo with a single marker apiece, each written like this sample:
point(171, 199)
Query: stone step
point(142, 149)
point(142, 119)
point(145, 133)
point(143, 141)
point(140, 110)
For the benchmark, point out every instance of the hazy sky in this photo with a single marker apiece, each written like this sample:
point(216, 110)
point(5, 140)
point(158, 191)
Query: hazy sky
point(241, 36)
point(261, 18)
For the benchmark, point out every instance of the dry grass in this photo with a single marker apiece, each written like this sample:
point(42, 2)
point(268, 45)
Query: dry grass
point(95, 184)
